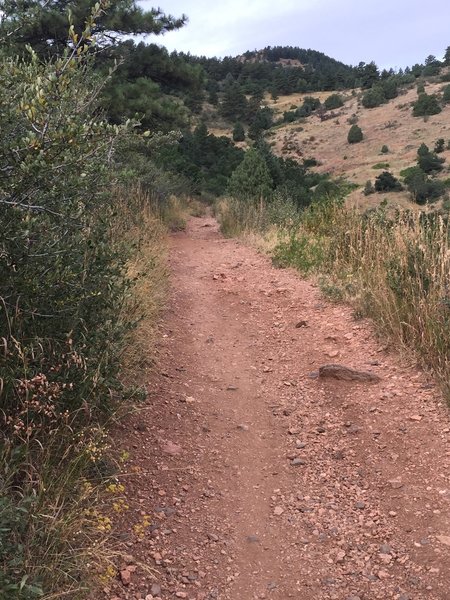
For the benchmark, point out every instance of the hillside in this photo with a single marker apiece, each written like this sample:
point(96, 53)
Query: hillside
point(391, 124)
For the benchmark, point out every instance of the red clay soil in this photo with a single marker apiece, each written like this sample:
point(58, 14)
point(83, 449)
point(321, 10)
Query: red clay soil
point(263, 480)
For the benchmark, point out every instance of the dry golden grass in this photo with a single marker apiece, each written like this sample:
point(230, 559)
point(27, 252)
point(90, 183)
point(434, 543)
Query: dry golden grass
point(147, 268)
point(395, 271)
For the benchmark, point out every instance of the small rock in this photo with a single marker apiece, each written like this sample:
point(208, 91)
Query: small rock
point(346, 374)
point(360, 505)
point(243, 427)
point(296, 462)
point(415, 418)
point(301, 324)
point(125, 575)
point(383, 574)
point(395, 484)
point(278, 511)
point(231, 388)
point(155, 590)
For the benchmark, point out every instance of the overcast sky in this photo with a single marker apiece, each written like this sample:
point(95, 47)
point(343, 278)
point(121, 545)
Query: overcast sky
point(393, 33)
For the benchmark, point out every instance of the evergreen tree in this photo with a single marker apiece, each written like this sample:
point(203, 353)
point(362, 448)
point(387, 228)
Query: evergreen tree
point(368, 74)
point(355, 135)
point(426, 105)
point(432, 66)
point(238, 132)
point(428, 161)
point(234, 102)
point(45, 25)
point(251, 180)
point(439, 146)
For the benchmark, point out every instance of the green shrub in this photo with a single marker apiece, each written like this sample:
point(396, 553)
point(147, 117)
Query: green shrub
point(384, 149)
point(426, 105)
point(368, 188)
point(421, 187)
point(386, 182)
point(355, 135)
point(373, 97)
point(289, 116)
point(428, 161)
point(66, 313)
point(381, 165)
point(439, 146)
point(334, 101)
point(238, 132)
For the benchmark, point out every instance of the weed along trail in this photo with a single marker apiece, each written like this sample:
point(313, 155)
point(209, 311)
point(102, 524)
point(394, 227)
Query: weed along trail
point(254, 473)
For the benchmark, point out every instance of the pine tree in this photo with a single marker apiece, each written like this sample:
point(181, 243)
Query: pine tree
point(45, 25)
point(355, 135)
point(251, 180)
point(238, 132)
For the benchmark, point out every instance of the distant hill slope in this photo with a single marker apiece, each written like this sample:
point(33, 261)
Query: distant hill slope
point(391, 124)
point(285, 69)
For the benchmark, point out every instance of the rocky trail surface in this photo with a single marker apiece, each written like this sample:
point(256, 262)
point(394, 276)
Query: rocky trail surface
point(256, 475)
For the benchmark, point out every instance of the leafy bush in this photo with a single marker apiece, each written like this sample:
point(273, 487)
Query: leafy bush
point(334, 101)
point(65, 315)
point(428, 161)
point(426, 105)
point(289, 116)
point(309, 105)
point(421, 187)
point(368, 188)
point(355, 135)
point(439, 146)
point(373, 97)
point(386, 182)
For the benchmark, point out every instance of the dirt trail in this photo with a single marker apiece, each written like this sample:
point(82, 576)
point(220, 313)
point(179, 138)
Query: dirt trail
point(264, 481)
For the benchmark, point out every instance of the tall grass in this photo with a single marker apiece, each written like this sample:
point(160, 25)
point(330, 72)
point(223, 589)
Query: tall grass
point(392, 268)
point(55, 466)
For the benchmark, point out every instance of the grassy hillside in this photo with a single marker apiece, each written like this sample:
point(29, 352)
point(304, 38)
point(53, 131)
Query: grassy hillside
point(391, 124)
